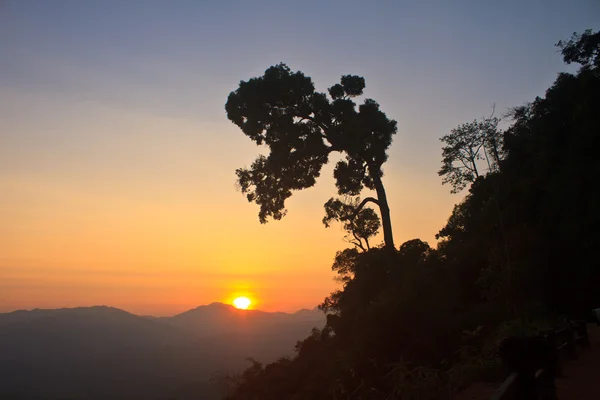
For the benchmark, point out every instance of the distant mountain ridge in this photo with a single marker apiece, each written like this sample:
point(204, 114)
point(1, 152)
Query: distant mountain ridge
point(226, 318)
point(103, 352)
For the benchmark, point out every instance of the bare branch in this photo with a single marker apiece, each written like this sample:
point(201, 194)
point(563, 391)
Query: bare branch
point(493, 111)
point(359, 244)
point(466, 166)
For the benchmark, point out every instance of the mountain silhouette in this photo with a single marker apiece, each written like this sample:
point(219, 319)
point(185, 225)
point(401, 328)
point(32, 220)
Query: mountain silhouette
point(219, 318)
point(107, 353)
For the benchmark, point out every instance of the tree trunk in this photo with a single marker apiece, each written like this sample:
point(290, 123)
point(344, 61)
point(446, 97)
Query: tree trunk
point(496, 153)
point(384, 210)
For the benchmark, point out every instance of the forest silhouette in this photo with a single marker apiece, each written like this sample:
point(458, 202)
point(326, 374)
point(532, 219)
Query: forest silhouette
point(517, 255)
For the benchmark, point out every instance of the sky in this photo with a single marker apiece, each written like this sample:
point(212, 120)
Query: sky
point(117, 161)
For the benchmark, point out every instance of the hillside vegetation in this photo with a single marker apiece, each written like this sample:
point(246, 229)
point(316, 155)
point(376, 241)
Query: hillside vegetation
point(518, 253)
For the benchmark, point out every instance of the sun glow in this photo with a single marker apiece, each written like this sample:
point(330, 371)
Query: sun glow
point(242, 303)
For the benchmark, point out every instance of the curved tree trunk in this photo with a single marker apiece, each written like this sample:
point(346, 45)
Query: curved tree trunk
point(384, 209)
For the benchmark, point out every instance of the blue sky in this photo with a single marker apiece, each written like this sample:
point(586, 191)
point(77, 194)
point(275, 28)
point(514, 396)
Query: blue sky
point(422, 59)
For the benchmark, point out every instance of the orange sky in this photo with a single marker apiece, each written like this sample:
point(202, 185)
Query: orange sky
point(148, 218)
point(117, 161)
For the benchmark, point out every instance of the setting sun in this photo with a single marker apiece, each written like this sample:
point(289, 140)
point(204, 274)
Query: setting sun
point(242, 303)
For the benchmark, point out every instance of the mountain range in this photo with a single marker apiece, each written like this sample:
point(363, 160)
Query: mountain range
point(97, 353)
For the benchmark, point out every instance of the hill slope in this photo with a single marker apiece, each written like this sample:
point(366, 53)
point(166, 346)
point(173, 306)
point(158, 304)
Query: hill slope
point(106, 353)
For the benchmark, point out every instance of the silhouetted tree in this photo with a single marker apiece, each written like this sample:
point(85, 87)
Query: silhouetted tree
point(464, 147)
point(414, 251)
point(302, 127)
point(408, 323)
point(582, 49)
point(360, 225)
point(519, 232)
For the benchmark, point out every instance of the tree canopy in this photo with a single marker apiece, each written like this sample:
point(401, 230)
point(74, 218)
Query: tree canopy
point(517, 255)
point(465, 146)
point(302, 127)
point(361, 225)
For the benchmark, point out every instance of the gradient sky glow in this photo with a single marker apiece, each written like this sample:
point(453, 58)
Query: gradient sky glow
point(117, 160)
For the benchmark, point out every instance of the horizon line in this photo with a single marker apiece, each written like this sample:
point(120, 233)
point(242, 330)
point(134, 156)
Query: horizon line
point(155, 316)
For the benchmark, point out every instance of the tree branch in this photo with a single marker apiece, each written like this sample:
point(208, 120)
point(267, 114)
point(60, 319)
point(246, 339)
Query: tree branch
point(474, 163)
point(357, 239)
point(493, 111)
point(319, 124)
point(357, 243)
point(466, 166)
point(479, 148)
point(464, 153)
point(487, 159)
point(362, 204)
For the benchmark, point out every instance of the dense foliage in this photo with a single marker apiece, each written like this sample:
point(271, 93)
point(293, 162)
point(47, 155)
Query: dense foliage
point(302, 127)
point(519, 250)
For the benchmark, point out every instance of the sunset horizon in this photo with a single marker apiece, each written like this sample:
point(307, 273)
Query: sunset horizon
point(142, 314)
point(119, 172)
point(298, 200)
